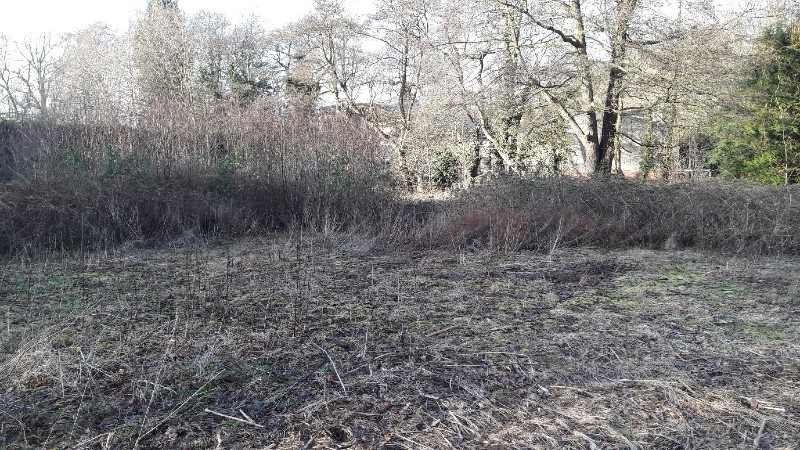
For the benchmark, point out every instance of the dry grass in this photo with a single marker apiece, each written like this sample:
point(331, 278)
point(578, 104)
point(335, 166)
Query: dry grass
point(92, 215)
point(540, 215)
point(314, 342)
point(547, 214)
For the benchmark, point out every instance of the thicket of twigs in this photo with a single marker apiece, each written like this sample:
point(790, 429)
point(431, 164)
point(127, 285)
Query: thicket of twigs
point(169, 180)
point(546, 214)
point(95, 187)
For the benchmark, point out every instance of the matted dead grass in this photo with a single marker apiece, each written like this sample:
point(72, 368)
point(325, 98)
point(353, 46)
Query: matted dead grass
point(317, 342)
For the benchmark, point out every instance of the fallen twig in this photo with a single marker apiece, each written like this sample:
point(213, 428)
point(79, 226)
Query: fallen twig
point(443, 330)
point(592, 444)
point(753, 403)
point(419, 445)
point(344, 389)
point(247, 419)
point(91, 439)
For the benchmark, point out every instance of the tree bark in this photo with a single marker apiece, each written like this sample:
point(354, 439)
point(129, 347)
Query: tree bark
point(604, 156)
point(590, 138)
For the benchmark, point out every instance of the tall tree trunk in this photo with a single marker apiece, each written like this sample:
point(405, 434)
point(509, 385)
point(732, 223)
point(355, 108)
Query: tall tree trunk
point(590, 139)
point(604, 157)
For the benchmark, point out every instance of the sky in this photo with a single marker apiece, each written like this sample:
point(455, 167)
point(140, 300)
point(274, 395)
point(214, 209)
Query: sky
point(32, 17)
point(19, 18)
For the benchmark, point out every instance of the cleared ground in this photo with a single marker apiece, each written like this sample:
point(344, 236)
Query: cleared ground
point(325, 343)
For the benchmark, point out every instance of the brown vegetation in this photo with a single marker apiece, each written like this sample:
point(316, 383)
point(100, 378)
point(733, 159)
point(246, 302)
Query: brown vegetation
point(550, 213)
point(212, 236)
point(92, 188)
point(375, 320)
point(75, 187)
point(313, 342)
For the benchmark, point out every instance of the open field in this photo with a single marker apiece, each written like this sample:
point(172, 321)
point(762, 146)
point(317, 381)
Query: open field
point(316, 342)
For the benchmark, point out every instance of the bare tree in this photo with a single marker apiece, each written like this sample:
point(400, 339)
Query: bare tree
point(7, 80)
point(96, 81)
point(590, 61)
point(335, 49)
point(41, 65)
point(595, 122)
point(680, 78)
point(402, 29)
point(230, 62)
point(494, 56)
point(291, 55)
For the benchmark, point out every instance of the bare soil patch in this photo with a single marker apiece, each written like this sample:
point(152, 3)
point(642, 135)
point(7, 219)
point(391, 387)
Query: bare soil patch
point(320, 343)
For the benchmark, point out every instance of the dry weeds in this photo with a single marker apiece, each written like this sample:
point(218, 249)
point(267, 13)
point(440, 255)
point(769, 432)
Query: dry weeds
point(317, 343)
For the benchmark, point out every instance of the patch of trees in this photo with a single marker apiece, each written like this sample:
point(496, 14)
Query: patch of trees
point(763, 143)
point(455, 90)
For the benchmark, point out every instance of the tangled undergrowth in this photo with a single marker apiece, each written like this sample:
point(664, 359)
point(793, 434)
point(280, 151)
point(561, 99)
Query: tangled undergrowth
point(541, 215)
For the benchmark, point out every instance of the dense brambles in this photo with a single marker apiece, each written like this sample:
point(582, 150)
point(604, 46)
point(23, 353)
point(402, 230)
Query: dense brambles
point(540, 215)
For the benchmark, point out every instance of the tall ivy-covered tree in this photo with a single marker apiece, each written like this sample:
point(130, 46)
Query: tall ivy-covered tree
point(248, 71)
point(209, 33)
point(764, 146)
point(164, 4)
point(163, 53)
